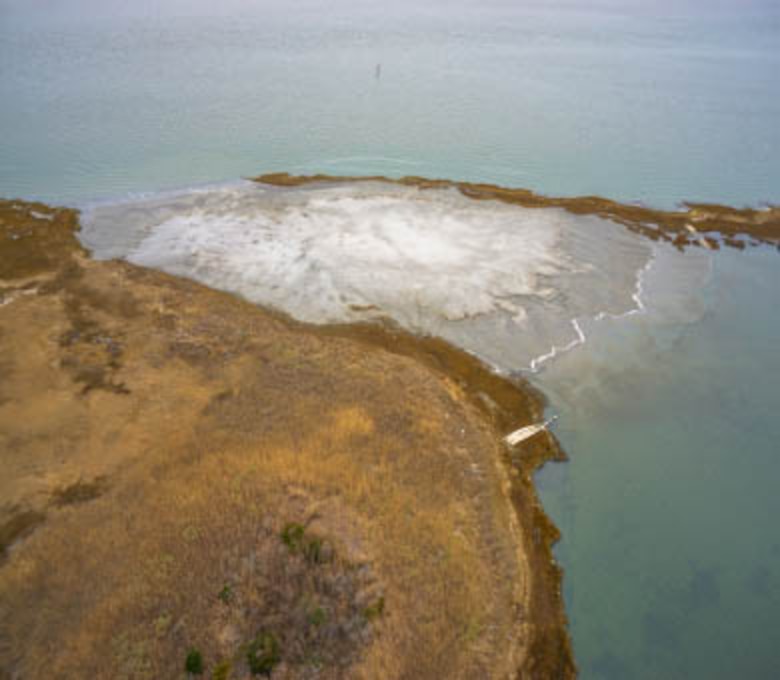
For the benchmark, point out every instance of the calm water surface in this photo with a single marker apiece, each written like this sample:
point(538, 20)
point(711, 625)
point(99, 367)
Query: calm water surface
point(669, 504)
point(657, 102)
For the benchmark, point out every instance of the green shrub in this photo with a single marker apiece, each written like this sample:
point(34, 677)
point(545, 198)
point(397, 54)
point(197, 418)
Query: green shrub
point(226, 594)
point(194, 662)
point(263, 654)
point(292, 535)
point(318, 616)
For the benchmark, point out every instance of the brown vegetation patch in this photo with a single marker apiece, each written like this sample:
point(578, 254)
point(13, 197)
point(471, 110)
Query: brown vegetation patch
point(89, 353)
point(79, 492)
point(160, 581)
point(33, 238)
point(423, 551)
point(507, 404)
point(17, 524)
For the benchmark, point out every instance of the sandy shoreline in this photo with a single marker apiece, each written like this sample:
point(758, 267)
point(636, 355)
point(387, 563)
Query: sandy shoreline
point(158, 438)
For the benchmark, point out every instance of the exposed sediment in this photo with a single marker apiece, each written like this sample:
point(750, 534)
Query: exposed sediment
point(184, 471)
point(696, 224)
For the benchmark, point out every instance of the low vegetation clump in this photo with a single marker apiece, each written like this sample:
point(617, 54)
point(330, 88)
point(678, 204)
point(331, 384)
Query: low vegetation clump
point(263, 654)
point(193, 664)
point(221, 671)
point(313, 548)
point(226, 595)
point(292, 535)
point(375, 609)
point(79, 492)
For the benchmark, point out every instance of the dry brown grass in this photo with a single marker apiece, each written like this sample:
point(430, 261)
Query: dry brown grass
point(231, 423)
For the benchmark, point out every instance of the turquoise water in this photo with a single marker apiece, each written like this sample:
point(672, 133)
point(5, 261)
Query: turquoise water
point(635, 100)
point(668, 506)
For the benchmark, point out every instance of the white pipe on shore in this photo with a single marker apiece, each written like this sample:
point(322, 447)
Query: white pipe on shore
point(528, 431)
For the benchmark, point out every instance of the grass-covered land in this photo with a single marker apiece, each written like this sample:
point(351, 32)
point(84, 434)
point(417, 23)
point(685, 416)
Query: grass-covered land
point(196, 487)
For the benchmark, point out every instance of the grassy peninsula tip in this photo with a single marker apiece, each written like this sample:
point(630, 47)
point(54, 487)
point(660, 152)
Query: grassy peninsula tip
point(195, 487)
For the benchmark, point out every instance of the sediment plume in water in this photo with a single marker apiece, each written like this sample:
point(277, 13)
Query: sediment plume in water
point(504, 282)
point(512, 277)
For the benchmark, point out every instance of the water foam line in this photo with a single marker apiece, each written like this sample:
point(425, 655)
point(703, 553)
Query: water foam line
point(581, 338)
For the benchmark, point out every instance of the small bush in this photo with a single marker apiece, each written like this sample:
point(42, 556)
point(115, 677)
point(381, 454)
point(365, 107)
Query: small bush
point(162, 624)
point(375, 609)
point(263, 654)
point(226, 594)
point(318, 616)
point(194, 662)
point(292, 535)
point(221, 671)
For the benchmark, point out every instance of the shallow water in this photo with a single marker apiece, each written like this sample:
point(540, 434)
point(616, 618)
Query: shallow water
point(668, 506)
point(663, 366)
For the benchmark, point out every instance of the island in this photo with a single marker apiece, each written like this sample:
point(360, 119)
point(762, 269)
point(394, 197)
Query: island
point(194, 485)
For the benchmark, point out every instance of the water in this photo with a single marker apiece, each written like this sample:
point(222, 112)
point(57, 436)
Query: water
point(668, 505)
point(656, 102)
point(668, 398)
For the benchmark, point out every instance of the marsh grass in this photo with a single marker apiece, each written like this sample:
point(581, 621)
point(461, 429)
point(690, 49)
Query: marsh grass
point(261, 478)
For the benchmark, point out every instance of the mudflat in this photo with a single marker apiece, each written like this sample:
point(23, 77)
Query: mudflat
point(695, 224)
point(193, 484)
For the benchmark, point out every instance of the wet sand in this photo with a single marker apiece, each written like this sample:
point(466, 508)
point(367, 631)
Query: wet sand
point(695, 225)
point(184, 471)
